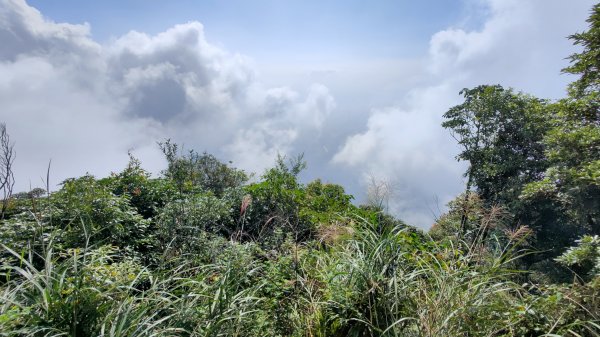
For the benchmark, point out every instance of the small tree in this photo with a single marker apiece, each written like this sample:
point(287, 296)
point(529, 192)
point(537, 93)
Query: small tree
point(203, 171)
point(276, 201)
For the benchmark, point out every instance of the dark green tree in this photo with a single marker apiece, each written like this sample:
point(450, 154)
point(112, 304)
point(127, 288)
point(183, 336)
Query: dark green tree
point(586, 63)
point(501, 134)
point(572, 180)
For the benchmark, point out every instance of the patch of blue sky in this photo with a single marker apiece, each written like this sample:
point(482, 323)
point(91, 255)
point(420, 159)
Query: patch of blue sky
point(310, 30)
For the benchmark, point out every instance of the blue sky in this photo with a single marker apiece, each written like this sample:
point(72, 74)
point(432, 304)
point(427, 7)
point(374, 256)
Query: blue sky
point(359, 87)
point(269, 29)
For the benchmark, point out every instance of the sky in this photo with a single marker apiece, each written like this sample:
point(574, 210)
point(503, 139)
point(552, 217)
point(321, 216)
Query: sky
point(359, 87)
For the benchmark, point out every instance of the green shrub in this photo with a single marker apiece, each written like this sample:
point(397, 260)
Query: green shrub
point(88, 213)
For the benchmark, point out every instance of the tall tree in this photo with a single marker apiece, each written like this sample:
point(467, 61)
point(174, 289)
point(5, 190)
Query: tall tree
point(587, 62)
point(501, 134)
point(573, 143)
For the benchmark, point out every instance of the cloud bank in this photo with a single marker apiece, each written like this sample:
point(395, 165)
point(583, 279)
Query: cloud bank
point(84, 104)
point(520, 45)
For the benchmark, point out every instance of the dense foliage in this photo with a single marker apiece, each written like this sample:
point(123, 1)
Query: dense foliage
point(204, 250)
point(131, 255)
point(536, 159)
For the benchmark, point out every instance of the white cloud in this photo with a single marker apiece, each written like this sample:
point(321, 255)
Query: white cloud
point(23, 30)
point(521, 45)
point(83, 104)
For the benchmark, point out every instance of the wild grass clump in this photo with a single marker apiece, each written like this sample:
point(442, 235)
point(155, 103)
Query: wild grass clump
point(89, 293)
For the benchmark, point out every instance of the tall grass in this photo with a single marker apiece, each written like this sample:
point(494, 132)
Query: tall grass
point(378, 281)
point(88, 293)
point(385, 283)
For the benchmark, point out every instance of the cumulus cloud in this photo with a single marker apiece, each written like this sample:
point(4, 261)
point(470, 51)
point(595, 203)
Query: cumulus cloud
point(85, 104)
point(520, 45)
point(24, 31)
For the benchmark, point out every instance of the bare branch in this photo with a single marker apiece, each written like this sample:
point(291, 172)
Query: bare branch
point(379, 192)
point(7, 178)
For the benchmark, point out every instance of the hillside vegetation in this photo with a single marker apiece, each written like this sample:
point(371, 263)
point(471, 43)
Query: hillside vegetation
point(204, 250)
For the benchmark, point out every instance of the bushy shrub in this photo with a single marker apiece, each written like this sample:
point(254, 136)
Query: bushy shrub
point(181, 222)
point(145, 194)
point(88, 213)
point(199, 172)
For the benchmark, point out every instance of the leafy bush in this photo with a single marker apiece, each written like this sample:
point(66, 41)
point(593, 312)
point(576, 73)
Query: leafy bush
point(88, 213)
point(585, 256)
point(146, 195)
point(181, 222)
point(203, 172)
